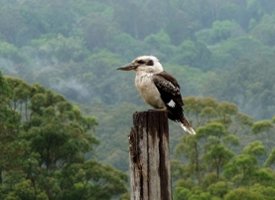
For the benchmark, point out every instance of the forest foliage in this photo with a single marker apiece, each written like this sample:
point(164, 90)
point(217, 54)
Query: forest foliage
point(44, 144)
point(220, 51)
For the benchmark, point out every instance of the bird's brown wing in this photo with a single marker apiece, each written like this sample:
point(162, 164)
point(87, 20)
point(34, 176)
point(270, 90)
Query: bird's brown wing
point(169, 90)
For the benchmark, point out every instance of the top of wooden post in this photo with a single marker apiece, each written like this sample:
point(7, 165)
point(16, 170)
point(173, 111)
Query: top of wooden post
point(149, 156)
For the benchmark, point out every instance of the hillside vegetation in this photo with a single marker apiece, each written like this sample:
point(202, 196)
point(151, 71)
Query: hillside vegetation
point(222, 52)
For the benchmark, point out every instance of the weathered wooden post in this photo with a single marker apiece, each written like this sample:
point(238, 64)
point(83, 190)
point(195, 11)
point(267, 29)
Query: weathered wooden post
point(149, 156)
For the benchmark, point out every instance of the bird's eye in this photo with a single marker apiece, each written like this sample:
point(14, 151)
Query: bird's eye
point(140, 62)
point(150, 63)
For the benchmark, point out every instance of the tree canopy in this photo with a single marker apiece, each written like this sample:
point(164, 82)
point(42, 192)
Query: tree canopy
point(44, 144)
point(215, 47)
point(59, 59)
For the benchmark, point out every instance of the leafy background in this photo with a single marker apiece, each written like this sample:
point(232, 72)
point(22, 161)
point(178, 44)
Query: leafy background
point(220, 51)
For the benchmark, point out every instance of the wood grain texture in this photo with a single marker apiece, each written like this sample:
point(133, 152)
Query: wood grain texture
point(149, 156)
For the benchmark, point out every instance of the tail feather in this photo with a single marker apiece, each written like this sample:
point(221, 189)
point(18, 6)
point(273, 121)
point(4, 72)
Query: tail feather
point(187, 127)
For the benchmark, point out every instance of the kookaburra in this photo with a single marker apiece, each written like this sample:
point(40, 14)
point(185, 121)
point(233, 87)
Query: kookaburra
point(158, 88)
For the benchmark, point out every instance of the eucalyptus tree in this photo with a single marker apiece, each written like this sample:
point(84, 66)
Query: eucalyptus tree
point(57, 138)
point(202, 158)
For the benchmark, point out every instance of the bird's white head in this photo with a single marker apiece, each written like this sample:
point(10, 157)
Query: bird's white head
point(147, 64)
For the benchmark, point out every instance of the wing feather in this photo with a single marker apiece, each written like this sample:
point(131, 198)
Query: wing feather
point(169, 90)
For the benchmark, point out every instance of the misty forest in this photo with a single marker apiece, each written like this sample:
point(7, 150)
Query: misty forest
point(66, 112)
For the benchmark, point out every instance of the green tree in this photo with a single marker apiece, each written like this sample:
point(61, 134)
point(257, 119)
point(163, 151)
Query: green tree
point(208, 151)
point(10, 149)
point(160, 42)
point(271, 159)
point(56, 138)
point(207, 166)
point(98, 30)
point(266, 192)
point(245, 168)
point(140, 17)
point(217, 157)
point(242, 193)
point(219, 189)
point(59, 49)
point(239, 85)
point(265, 30)
point(220, 31)
point(193, 54)
point(263, 130)
point(11, 25)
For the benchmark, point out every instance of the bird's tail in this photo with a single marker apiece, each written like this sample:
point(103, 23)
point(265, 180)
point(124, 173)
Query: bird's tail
point(187, 127)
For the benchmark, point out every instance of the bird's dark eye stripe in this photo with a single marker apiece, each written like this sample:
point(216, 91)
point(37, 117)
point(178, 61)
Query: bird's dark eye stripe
point(150, 62)
point(140, 62)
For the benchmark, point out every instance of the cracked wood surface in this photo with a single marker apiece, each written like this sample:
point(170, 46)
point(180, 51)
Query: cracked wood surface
point(149, 156)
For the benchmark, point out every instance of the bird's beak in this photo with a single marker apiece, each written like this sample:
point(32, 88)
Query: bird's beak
point(128, 67)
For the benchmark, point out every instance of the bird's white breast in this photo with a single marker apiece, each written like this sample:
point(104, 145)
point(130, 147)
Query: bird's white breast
point(148, 90)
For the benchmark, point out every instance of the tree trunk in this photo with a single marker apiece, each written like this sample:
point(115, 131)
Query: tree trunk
point(149, 156)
